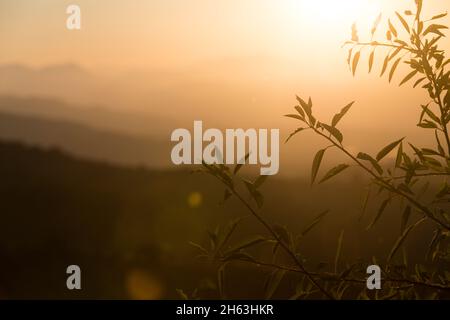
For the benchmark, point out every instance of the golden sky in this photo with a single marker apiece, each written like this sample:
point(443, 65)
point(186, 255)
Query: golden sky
point(174, 33)
point(245, 57)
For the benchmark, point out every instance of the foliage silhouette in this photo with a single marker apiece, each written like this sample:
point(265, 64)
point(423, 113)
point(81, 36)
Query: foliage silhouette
point(412, 41)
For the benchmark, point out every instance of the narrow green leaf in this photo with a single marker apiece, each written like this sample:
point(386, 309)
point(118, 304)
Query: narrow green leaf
point(408, 77)
point(440, 148)
point(221, 280)
point(402, 238)
point(246, 244)
point(333, 172)
point(405, 218)
point(439, 16)
point(418, 82)
point(386, 150)
point(338, 251)
point(364, 204)
point(403, 21)
point(366, 157)
point(316, 164)
point(399, 158)
point(392, 28)
point(240, 256)
point(239, 166)
point(379, 213)
point(273, 283)
point(293, 134)
point(294, 116)
point(259, 181)
point(394, 67)
point(341, 114)
point(371, 59)
point(199, 247)
point(385, 65)
point(314, 222)
point(334, 132)
point(355, 62)
point(300, 111)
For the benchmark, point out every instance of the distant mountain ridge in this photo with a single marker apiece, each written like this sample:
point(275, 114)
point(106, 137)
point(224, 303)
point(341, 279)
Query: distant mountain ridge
point(96, 117)
point(84, 141)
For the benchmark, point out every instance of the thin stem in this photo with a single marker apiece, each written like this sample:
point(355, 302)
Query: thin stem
point(276, 237)
point(387, 45)
point(388, 186)
point(326, 276)
point(281, 243)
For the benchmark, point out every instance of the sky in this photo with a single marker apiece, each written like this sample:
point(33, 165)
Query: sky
point(214, 60)
point(178, 33)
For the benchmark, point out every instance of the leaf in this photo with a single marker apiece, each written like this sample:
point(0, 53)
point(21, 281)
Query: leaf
point(229, 230)
point(379, 213)
point(314, 222)
point(259, 181)
point(307, 107)
point(316, 164)
point(282, 234)
point(221, 280)
point(386, 150)
point(294, 116)
point(394, 67)
point(399, 158)
point(375, 24)
point(256, 195)
point(430, 113)
point(434, 28)
point(364, 204)
point(439, 16)
point(199, 247)
point(355, 62)
point(385, 65)
point(247, 243)
point(341, 114)
point(402, 238)
point(334, 132)
point(371, 59)
point(419, 4)
point(392, 28)
point(333, 172)
point(338, 251)
point(366, 157)
point(240, 256)
point(418, 82)
point(239, 166)
point(293, 134)
point(403, 21)
point(408, 77)
point(273, 283)
point(440, 148)
point(300, 111)
point(405, 217)
point(227, 195)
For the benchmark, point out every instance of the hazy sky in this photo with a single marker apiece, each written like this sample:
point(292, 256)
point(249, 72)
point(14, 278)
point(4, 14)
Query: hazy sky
point(174, 33)
point(250, 56)
point(233, 63)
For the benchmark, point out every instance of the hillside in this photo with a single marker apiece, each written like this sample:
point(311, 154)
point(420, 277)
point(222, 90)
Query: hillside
point(129, 228)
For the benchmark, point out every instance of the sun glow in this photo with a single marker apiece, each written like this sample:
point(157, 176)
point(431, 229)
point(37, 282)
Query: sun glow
point(329, 12)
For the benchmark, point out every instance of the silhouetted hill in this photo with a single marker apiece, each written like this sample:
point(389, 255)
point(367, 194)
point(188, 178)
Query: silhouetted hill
point(129, 228)
point(85, 141)
point(102, 118)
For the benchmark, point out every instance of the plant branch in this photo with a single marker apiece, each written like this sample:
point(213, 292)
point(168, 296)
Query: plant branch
point(285, 247)
point(387, 185)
